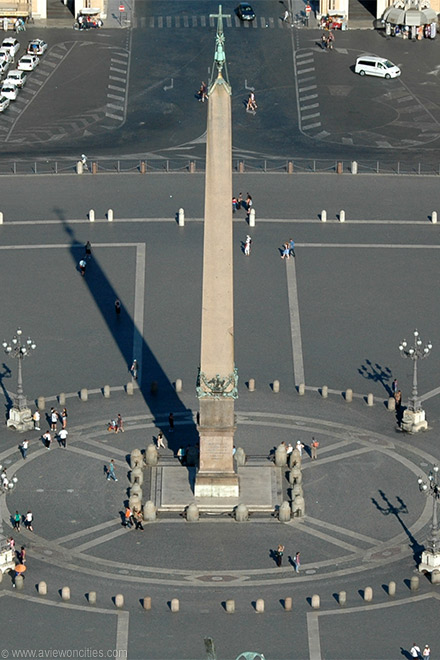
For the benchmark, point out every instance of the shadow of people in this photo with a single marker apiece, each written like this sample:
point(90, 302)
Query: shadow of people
point(405, 653)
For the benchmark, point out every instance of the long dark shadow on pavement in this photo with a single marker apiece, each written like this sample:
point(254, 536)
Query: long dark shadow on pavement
point(161, 400)
point(397, 511)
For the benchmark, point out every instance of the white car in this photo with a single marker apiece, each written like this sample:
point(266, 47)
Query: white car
point(4, 66)
point(9, 90)
point(28, 63)
point(4, 103)
point(12, 45)
point(16, 77)
point(5, 54)
point(37, 47)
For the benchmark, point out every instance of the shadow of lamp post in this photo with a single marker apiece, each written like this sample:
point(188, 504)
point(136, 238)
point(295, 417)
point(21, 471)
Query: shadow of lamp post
point(7, 553)
point(431, 555)
point(413, 419)
point(20, 416)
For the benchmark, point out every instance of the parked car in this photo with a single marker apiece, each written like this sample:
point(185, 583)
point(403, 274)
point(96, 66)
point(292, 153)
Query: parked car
point(4, 66)
point(9, 90)
point(12, 44)
point(37, 47)
point(28, 63)
point(371, 65)
point(5, 54)
point(16, 77)
point(4, 103)
point(245, 12)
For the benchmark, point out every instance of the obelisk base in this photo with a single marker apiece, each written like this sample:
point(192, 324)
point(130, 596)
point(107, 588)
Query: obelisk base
point(216, 485)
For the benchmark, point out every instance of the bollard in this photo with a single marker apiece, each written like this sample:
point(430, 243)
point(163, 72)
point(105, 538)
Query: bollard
point(341, 216)
point(349, 395)
point(65, 593)
point(240, 457)
point(368, 594)
point(175, 605)
point(324, 391)
point(301, 389)
point(192, 513)
point(79, 167)
point(434, 217)
point(92, 215)
point(289, 167)
point(136, 489)
point(110, 215)
point(435, 577)
point(94, 167)
point(143, 167)
point(251, 384)
point(297, 490)
point(342, 598)
point(284, 512)
point(241, 513)
point(130, 389)
point(181, 217)
point(119, 601)
point(41, 403)
point(134, 502)
point(276, 386)
point(84, 394)
point(230, 606)
point(1, 217)
point(354, 167)
point(391, 588)
point(146, 603)
point(316, 601)
point(298, 506)
point(252, 218)
point(259, 606)
point(281, 456)
point(294, 474)
point(295, 458)
point(288, 604)
point(149, 511)
point(107, 391)
point(136, 476)
point(414, 582)
point(42, 588)
point(241, 166)
point(391, 403)
point(91, 597)
point(62, 399)
point(136, 459)
point(370, 399)
point(324, 216)
point(179, 385)
point(19, 582)
point(192, 166)
point(151, 455)
point(339, 168)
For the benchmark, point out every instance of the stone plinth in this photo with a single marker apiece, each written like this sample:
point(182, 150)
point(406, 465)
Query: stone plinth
point(20, 420)
point(216, 485)
point(7, 562)
point(414, 421)
point(430, 561)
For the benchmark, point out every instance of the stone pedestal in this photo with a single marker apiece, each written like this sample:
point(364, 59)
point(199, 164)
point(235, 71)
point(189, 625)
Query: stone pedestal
point(7, 562)
point(20, 420)
point(430, 562)
point(414, 421)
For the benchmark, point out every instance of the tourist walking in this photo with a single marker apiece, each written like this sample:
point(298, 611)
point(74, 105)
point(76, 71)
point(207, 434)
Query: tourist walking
point(426, 653)
point(299, 447)
point(53, 419)
point(314, 449)
point(62, 435)
point(279, 555)
point(291, 247)
point(64, 418)
point(24, 448)
point(247, 245)
point(118, 307)
point(239, 201)
point(415, 651)
point(137, 517)
point(285, 252)
point(234, 204)
point(36, 419)
point(203, 92)
point(134, 369)
point(120, 423)
point(82, 267)
point(28, 521)
point(171, 422)
point(160, 442)
point(251, 103)
point(111, 474)
point(17, 521)
point(398, 399)
point(394, 386)
point(88, 249)
point(128, 517)
point(297, 562)
point(22, 555)
point(47, 439)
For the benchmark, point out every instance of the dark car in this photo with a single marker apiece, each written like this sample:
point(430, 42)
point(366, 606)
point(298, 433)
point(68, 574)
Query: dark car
point(245, 12)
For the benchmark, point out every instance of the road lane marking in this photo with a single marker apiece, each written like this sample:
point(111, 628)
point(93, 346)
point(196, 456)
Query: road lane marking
point(295, 325)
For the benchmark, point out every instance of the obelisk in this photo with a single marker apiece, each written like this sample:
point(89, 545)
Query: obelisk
point(217, 379)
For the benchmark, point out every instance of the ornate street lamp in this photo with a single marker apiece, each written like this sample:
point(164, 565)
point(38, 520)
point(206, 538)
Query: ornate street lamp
point(414, 416)
point(431, 555)
point(20, 417)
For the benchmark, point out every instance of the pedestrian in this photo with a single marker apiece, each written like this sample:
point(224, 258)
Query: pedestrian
point(28, 521)
point(128, 517)
point(330, 40)
point(24, 448)
point(415, 651)
point(47, 439)
point(426, 653)
point(324, 41)
point(160, 442)
point(297, 562)
point(239, 201)
point(84, 161)
point(171, 422)
point(247, 245)
point(5, 480)
point(134, 369)
point(279, 555)
point(252, 103)
point(64, 418)
point(314, 447)
point(118, 307)
point(203, 92)
point(111, 474)
point(234, 204)
point(53, 419)
point(289, 450)
point(17, 521)
point(394, 386)
point(11, 543)
point(62, 435)
point(22, 555)
point(181, 455)
point(286, 252)
point(88, 249)
point(291, 247)
point(137, 517)
point(398, 399)
point(286, 16)
point(299, 447)
point(82, 267)
point(36, 419)
point(120, 423)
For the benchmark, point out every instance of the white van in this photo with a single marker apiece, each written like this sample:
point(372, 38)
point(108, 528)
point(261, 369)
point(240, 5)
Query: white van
point(371, 65)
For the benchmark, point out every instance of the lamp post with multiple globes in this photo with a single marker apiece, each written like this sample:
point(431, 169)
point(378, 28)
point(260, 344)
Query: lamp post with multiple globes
point(413, 419)
point(20, 417)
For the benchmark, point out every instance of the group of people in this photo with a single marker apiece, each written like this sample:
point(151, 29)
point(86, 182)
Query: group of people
point(288, 249)
point(327, 39)
point(28, 519)
point(279, 554)
point(415, 652)
point(133, 517)
point(203, 92)
point(83, 262)
point(116, 425)
point(54, 418)
point(239, 203)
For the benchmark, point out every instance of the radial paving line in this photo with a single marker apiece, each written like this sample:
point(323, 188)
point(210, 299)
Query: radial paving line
point(87, 531)
point(139, 297)
point(295, 326)
point(313, 636)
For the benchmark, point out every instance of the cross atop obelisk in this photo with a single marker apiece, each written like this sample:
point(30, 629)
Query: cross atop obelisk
point(217, 380)
point(219, 55)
